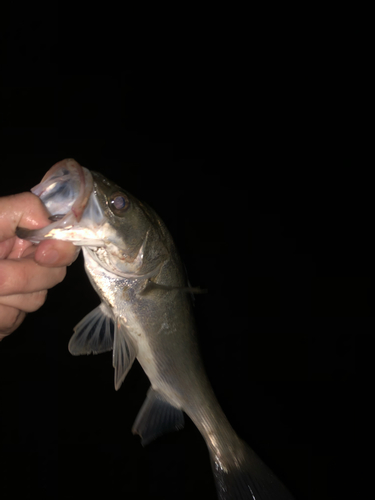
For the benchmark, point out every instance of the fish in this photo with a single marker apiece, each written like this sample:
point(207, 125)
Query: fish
point(146, 314)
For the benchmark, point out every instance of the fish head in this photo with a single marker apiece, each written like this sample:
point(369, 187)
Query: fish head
point(122, 234)
point(135, 239)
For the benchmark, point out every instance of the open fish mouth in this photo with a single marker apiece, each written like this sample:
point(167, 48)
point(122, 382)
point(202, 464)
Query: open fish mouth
point(67, 191)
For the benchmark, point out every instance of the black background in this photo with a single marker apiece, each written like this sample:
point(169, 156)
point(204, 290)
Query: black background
point(249, 163)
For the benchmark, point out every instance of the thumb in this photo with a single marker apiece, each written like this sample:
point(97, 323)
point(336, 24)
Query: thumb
point(24, 209)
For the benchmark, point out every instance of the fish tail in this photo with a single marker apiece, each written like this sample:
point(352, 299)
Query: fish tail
point(246, 477)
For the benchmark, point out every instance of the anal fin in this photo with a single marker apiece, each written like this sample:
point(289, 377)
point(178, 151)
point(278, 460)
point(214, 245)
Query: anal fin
point(156, 417)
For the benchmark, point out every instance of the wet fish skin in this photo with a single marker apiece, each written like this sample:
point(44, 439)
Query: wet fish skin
point(133, 265)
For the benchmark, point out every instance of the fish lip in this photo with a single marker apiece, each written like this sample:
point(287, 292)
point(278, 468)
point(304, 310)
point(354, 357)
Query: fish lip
point(86, 185)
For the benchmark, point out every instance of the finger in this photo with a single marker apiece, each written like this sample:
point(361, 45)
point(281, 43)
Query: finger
point(24, 209)
point(6, 247)
point(27, 302)
point(20, 248)
point(25, 276)
point(56, 253)
point(10, 320)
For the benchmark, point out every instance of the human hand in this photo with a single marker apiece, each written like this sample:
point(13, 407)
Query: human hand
point(27, 271)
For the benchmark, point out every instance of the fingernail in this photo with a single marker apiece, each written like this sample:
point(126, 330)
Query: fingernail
point(50, 256)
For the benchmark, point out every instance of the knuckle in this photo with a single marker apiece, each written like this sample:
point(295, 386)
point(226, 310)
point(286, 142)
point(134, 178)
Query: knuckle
point(28, 199)
point(61, 274)
point(4, 279)
point(26, 196)
point(56, 276)
point(13, 317)
point(39, 299)
point(10, 319)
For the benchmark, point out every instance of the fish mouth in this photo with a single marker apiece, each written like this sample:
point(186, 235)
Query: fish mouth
point(66, 186)
point(67, 191)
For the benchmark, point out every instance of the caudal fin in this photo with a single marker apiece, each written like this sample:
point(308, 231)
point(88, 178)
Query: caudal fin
point(247, 478)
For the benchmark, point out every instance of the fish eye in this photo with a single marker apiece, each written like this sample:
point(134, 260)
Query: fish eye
point(119, 203)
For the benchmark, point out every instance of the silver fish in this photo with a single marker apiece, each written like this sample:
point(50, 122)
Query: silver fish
point(146, 313)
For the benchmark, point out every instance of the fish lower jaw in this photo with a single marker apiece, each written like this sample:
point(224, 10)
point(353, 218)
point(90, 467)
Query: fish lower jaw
point(77, 236)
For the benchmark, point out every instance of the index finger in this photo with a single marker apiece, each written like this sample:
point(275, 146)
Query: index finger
point(26, 276)
point(24, 209)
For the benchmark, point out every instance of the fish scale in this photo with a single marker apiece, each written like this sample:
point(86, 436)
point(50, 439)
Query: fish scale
point(146, 313)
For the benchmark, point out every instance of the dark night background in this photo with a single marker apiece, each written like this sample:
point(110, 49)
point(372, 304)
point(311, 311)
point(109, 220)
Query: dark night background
point(255, 178)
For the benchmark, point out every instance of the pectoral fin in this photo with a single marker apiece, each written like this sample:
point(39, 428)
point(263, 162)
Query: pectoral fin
point(94, 333)
point(156, 417)
point(124, 352)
